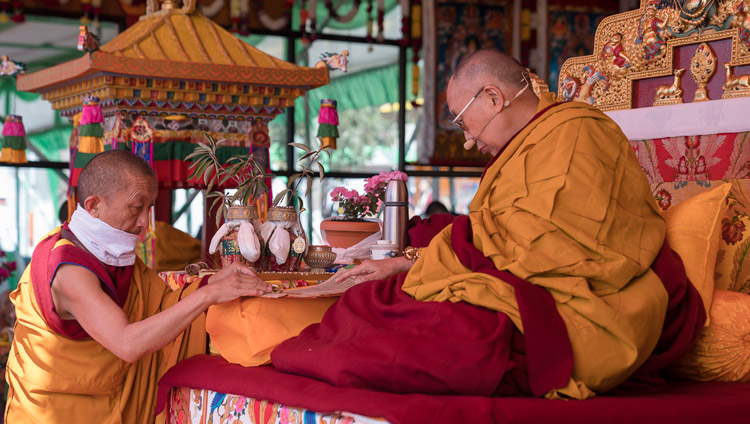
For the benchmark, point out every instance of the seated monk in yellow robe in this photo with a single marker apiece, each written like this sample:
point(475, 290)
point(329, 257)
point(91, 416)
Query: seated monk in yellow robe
point(563, 205)
point(95, 327)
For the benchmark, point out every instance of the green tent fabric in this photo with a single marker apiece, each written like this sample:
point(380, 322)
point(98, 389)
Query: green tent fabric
point(371, 87)
point(359, 20)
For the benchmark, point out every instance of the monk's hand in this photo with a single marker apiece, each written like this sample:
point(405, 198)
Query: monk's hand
point(376, 269)
point(235, 281)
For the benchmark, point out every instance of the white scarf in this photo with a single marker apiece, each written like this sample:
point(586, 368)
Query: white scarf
point(110, 245)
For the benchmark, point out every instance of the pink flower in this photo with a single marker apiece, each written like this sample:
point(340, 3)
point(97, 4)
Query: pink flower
point(397, 175)
point(4, 273)
point(10, 265)
point(354, 206)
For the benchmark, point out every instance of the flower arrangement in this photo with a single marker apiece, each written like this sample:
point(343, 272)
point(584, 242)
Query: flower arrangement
point(354, 206)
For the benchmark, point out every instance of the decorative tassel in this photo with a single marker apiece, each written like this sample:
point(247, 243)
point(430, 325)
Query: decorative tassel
point(14, 140)
point(86, 7)
point(18, 16)
point(96, 10)
point(415, 79)
point(90, 132)
point(4, 6)
point(368, 25)
point(234, 15)
point(328, 119)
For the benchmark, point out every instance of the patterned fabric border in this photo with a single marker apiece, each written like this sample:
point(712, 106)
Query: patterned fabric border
point(193, 406)
point(696, 158)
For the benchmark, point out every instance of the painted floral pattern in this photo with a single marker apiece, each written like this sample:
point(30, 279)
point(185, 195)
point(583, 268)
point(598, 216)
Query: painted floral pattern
point(732, 230)
point(680, 167)
point(194, 406)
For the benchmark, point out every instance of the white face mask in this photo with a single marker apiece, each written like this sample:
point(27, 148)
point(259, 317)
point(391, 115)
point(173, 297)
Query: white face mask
point(110, 245)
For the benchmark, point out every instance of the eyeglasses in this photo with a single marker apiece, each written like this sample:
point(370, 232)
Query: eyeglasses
point(459, 123)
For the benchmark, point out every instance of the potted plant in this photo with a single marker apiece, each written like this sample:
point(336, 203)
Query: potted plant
point(356, 221)
point(285, 240)
point(237, 239)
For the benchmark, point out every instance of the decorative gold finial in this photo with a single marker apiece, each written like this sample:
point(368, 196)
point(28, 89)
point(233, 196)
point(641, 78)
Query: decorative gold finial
point(168, 6)
point(537, 84)
point(703, 67)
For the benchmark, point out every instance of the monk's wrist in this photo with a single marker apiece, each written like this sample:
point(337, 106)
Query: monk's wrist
point(404, 264)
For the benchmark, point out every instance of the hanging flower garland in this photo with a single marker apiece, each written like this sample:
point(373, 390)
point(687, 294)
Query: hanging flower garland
point(86, 8)
point(270, 23)
point(416, 46)
point(308, 15)
point(212, 9)
point(343, 18)
point(411, 30)
point(4, 6)
point(368, 25)
point(381, 20)
point(17, 6)
point(239, 13)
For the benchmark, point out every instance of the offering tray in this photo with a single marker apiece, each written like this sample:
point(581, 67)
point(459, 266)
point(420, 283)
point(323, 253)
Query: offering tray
point(307, 276)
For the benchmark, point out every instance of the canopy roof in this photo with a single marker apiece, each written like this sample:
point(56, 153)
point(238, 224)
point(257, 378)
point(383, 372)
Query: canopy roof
point(176, 45)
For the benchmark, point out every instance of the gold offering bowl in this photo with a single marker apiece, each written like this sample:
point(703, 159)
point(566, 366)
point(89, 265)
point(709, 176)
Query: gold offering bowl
point(319, 258)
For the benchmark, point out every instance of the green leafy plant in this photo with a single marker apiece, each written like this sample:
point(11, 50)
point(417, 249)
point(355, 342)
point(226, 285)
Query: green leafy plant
point(246, 171)
point(307, 160)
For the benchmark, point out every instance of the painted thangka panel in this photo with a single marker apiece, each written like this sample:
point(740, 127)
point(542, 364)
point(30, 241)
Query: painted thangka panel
point(571, 33)
point(461, 27)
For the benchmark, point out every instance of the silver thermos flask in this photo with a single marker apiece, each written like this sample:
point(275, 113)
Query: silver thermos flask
point(396, 213)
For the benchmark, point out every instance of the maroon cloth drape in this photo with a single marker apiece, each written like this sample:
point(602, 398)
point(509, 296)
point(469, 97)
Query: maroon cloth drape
point(548, 351)
point(377, 337)
point(681, 401)
point(46, 260)
point(422, 231)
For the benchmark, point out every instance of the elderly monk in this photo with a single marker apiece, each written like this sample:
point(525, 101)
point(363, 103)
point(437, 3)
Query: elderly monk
point(564, 206)
point(97, 328)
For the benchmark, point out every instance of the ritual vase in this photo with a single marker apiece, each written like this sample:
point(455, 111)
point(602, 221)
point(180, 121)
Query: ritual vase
point(343, 234)
point(283, 222)
point(229, 250)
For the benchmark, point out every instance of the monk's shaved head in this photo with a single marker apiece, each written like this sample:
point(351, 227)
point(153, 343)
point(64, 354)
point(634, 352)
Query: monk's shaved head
point(490, 66)
point(109, 172)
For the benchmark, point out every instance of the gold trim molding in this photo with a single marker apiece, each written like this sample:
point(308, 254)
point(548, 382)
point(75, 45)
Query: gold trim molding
point(640, 44)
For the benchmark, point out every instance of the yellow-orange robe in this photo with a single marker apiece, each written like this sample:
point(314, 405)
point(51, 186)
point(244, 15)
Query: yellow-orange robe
point(55, 379)
point(566, 207)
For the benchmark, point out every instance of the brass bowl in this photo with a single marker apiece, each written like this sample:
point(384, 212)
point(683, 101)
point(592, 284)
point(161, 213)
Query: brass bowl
point(319, 258)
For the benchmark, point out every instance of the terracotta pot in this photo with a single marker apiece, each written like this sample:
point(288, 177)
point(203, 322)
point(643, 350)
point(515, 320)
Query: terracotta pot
point(344, 234)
